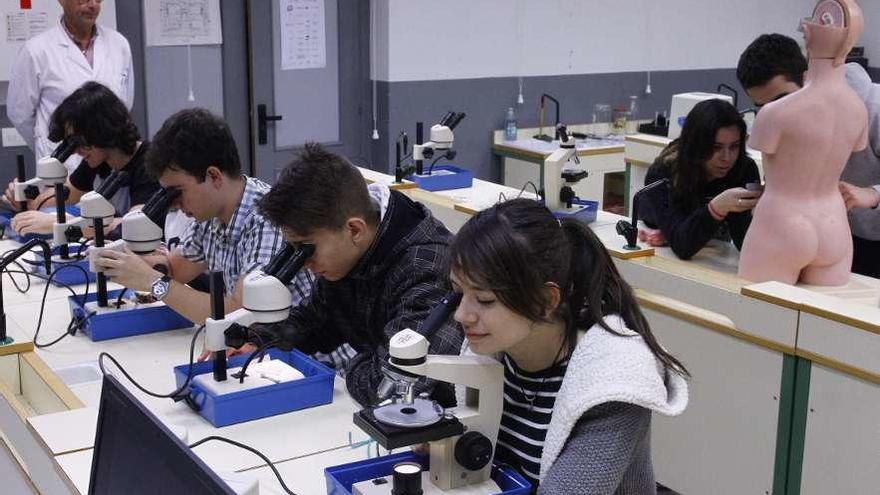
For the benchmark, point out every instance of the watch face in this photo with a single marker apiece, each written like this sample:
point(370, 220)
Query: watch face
point(159, 289)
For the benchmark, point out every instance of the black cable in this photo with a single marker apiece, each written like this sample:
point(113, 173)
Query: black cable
point(177, 394)
point(14, 281)
point(251, 450)
point(435, 160)
point(247, 362)
point(119, 299)
point(41, 203)
point(527, 185)
point(75, 324)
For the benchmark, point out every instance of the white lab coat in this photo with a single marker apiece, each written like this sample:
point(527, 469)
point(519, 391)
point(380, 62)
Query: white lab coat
point(49, 67)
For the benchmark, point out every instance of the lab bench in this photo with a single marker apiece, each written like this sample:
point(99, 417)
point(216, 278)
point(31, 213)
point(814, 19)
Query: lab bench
point(522, 160)
point(784, 394)
point(786, 379)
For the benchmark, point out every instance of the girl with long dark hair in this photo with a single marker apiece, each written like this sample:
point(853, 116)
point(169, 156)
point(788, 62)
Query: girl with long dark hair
point(712, 183)
point(583, 372)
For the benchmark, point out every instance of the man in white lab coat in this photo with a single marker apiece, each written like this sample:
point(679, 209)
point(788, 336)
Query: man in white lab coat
point(53, 64)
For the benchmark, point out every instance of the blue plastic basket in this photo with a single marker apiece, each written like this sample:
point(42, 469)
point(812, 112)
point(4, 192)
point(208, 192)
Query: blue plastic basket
point(340, 479)
point(444, 177)
point(66, 276)
point(117, 324)
point(5, 220)
point(587, 214)
point(237, 407)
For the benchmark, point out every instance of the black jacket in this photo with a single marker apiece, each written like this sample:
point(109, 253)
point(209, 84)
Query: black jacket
point(689, 229)
point(394, 286)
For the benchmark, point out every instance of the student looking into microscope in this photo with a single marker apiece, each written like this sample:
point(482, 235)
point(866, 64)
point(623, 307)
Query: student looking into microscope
point(583, 371)
point(380, 262)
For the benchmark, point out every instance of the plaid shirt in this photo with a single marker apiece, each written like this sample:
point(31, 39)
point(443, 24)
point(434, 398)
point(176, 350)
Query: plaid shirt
point(394, 286)
point(246, 244)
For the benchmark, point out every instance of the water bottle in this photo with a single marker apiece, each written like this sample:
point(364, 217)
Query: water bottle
point(510, 125)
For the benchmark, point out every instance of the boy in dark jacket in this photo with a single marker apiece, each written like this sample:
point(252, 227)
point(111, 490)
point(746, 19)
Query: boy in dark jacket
point(380, 262)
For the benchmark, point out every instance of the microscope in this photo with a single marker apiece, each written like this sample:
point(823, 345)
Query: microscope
point(561, 198)
point(92, 205)
point(462, 440)
point(441, 141)
point(50, 172)
point(265, 299)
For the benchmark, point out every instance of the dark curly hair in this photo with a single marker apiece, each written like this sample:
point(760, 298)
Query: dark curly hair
point(192, 140)
point(95, 114)
point(771, 55)
point(318, 190)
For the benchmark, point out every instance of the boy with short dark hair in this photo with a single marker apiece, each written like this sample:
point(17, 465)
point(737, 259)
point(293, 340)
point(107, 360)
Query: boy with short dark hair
point(194, 152)
point(380, 259)
point(772, 67)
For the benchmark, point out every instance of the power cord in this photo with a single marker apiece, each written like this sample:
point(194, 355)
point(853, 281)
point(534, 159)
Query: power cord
point(177, 394)
point(260, 351)
point(521, 191)
point(74, 324)
point(251, 450)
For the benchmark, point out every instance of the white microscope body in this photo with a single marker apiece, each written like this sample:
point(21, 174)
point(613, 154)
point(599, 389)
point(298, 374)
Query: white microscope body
point(483, 378)
point(557, 178)
point(265, 299)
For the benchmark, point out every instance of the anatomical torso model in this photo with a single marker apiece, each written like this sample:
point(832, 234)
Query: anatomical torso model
point(800, 232)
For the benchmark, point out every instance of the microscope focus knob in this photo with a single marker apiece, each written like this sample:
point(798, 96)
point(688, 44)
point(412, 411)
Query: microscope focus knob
point(473, 451)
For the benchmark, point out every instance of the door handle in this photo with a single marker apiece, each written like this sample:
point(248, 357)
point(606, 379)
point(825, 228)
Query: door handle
point(262, 118)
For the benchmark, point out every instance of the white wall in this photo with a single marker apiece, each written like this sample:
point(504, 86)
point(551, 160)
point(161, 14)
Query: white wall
point(871, 36)
point(455, 39)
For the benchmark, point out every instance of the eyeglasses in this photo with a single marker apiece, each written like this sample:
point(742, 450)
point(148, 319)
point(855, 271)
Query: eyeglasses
point(84, 2)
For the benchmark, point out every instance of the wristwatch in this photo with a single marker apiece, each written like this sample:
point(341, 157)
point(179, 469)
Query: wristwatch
point(159, 287)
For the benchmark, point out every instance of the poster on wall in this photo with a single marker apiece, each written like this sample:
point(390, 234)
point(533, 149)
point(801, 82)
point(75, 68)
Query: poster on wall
point(25, 24)
point(303, 37)
point(182, 22)
point(23, 20)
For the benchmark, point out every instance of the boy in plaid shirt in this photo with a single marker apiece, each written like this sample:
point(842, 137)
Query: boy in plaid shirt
point(195, 153)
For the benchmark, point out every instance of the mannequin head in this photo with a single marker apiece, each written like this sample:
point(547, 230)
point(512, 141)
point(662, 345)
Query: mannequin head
point(834, 42)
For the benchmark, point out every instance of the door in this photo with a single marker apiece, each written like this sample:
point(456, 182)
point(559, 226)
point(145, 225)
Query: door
point(309, 75)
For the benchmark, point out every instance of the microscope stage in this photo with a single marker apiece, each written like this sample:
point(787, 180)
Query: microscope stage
point(422, 412)
point(393, 437)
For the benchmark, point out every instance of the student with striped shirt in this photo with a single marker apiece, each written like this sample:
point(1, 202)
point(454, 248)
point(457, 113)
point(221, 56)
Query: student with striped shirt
point(583, 372)
point(195, 153)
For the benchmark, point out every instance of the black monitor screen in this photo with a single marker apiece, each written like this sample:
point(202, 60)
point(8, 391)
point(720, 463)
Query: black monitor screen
point(136, 454)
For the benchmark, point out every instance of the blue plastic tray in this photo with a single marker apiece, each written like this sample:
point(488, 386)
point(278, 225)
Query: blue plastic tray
point(119, 324)
point(340, 479)
point(587, 214)
point(237, 407)
point(444, 177)
point(5, 218)
point(67, 276)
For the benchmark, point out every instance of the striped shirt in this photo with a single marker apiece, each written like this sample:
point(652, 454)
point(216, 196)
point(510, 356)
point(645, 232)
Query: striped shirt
point(528, 405)
point(247, 243)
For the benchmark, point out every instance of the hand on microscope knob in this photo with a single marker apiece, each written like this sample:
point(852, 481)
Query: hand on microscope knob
point(128, 269)
point(88, 231)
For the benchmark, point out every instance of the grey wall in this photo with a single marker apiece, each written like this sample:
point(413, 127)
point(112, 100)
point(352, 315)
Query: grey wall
point(486, 100)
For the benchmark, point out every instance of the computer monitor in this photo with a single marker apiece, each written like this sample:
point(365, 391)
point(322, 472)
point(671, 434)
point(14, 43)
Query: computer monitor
point(136, 454)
